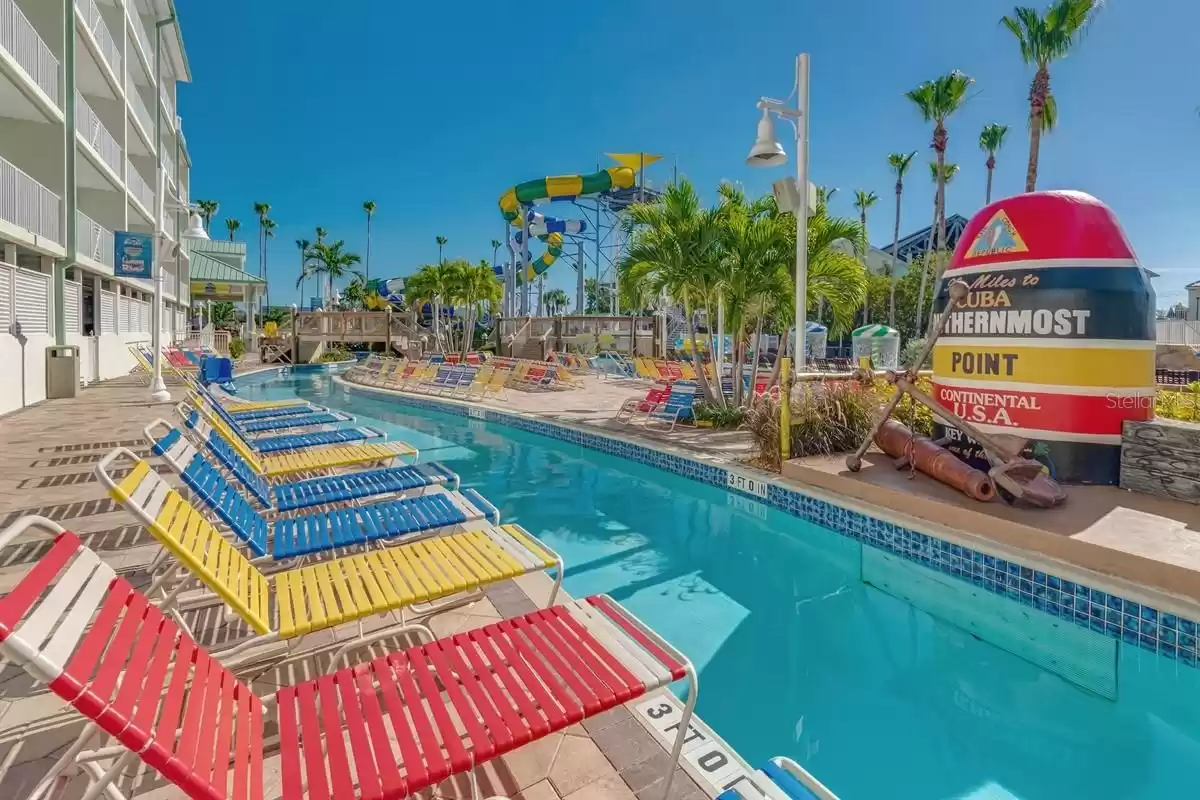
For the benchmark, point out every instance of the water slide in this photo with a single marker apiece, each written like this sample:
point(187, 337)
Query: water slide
point(384, 293)
point(548, 190)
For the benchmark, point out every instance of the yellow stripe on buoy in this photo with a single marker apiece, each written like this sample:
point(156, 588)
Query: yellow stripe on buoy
point(1059, 366)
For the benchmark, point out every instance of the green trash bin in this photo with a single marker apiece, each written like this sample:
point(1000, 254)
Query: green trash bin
point(62, 371)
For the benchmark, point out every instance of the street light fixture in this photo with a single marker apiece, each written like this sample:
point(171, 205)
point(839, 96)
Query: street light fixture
point(767, 152)
point(164, 250)
point(195, 228)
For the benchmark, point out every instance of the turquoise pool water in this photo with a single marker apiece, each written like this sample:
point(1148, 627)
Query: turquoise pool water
point(797, 656)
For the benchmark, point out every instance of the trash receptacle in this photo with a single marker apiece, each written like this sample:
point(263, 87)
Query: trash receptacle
point(62, 371)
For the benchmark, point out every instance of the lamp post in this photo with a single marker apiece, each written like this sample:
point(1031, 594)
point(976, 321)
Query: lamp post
point(767, 152)
point(195, 230)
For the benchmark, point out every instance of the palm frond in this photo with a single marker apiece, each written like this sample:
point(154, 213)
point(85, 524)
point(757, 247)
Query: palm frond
point(991, 138)
point(899, 162)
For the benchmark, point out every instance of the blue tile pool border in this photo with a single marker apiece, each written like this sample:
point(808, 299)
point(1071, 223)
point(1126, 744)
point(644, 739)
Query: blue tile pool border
point(1172, 636)
point(322, 366)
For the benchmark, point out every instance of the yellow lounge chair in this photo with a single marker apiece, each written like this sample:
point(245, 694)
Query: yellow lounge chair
point(645, 369)
point(324, 594)
point(205, 425)
point(478, 387)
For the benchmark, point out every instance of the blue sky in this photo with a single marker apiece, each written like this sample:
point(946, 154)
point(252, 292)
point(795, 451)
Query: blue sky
point(433, 109)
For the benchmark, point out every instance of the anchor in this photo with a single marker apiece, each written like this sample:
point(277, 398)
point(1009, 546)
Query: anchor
point(1017, 478)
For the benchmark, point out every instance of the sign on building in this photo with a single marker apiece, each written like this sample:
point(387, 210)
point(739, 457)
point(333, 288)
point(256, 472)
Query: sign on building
point(134, 254)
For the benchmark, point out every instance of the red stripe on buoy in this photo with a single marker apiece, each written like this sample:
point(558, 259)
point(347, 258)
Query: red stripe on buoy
point(1094, 415)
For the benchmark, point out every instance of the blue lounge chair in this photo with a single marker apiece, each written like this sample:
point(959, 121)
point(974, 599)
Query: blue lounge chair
point(779, 779)
point(328, 530)
point(677, 408)
point(293, 441)
point(446, 378)
point(275, 413)
point(246, 410)
point(179, 453)
point(294, 421)
point(461, 377)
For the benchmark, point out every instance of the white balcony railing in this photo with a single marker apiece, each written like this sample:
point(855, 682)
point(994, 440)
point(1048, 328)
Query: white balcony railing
point(93, 130)
point(139, 31)
point(95, 23)
point(143, 115)
point(93, 240)
point(169, 165)
point(168, 106)
point(19, 38)
point(139, 188)
point(170, 226)
point(26, 203)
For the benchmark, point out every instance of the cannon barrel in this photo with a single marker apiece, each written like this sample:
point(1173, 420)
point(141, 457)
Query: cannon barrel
point(938, 463)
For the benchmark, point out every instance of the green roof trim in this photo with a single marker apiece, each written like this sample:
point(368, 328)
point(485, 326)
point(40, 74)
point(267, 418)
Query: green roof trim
point(215, 246)
point(205, 269)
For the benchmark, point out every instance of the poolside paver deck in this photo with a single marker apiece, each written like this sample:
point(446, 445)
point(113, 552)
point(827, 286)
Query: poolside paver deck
point(47, 453)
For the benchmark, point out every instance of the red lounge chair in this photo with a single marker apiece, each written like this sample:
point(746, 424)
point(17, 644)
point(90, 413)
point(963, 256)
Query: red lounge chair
point(656, 396)
point(102, 647)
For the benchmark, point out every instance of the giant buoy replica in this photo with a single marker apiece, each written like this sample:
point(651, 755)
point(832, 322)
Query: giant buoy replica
point(1055, 342)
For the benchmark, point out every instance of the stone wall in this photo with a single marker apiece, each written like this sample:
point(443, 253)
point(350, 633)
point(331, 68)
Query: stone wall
point(1162, 457)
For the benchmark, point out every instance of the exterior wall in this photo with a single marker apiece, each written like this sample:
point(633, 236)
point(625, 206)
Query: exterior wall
point(101, 358)
point(1193, 304)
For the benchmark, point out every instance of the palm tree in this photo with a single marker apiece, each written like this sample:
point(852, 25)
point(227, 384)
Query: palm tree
point(825, 194)
point(261, 209)
point(496, 244)
point(321, 234)
point(991, 139)
point(232, 225)
point(675, 248)
point(302, 245)
point(432, 284)
point(941, 175)
point(208, 210)
point(369, 208)
point(280, 316)
point(899, 163)
point(419, 291)
point(472, 286)
point(863, 201)
point(1043, 39)
point(223, 314)
point(331, 262)
point(835, 277)
point(268, 226)
point(354, 296)
point(556, 300)
point(937, 100)
point(755, 247)
point(441, 242)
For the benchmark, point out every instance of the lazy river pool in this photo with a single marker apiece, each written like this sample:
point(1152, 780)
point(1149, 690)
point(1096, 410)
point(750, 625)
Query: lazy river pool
point(797, 655)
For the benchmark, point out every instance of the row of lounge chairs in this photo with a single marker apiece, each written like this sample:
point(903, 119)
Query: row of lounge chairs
point(492, 379)
point(341, 547)
point(176, 360)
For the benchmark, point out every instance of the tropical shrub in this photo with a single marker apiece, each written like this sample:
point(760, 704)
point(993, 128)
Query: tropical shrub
point(237, 349)
point(719, 416)
point(909, 353)
point(830, 417)
point(336, 354)
point(1182, 404)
